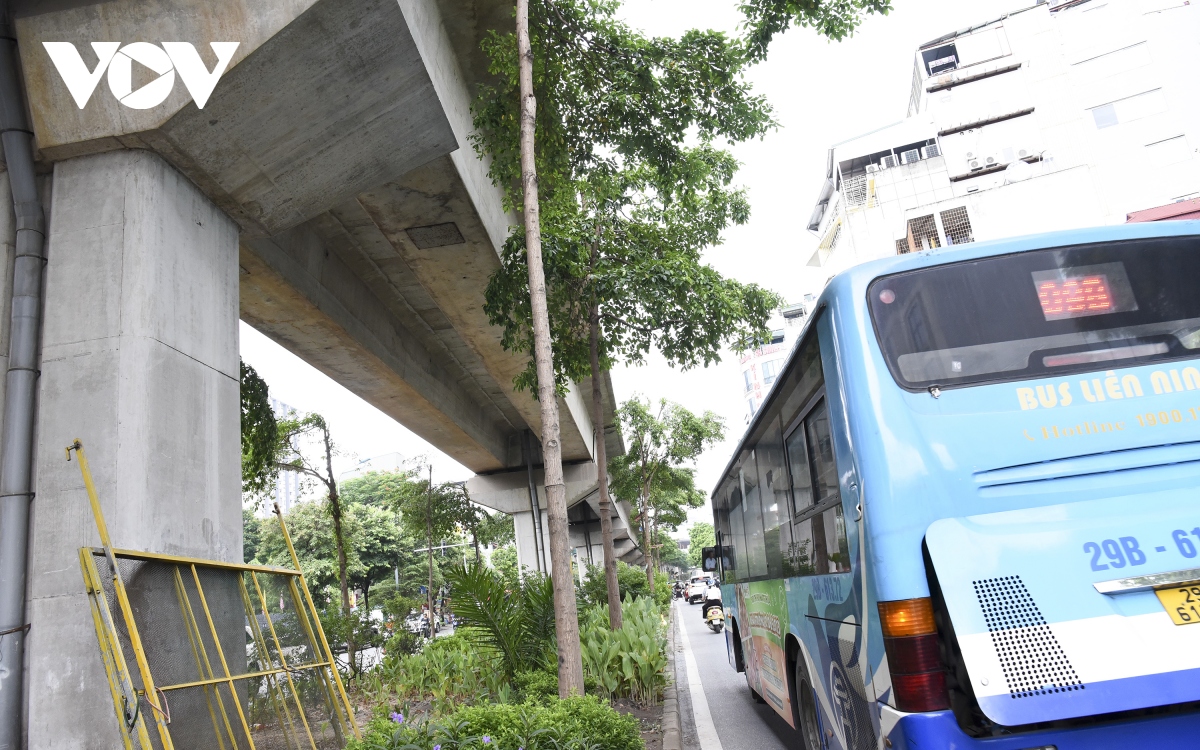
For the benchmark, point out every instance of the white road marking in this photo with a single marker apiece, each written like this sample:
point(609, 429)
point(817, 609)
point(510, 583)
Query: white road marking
point(706, 731)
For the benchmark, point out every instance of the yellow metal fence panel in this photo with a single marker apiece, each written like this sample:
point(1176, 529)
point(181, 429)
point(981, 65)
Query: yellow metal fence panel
point(224, 656)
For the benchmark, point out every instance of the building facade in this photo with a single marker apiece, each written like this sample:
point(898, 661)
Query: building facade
point(287, 483)
point(760, 366)
point(1061, 115)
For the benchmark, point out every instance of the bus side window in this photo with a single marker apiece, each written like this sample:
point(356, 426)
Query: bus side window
point(752, 504)
point(802, 491)
point(774, 484)
point(737, 534)
point(820, 453)
point(819, 534)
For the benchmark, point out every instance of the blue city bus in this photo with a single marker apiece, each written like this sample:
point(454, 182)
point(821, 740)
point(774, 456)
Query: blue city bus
point(967, 513)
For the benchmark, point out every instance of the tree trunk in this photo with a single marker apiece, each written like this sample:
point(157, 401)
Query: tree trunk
point(606, 532)
point(566, 619)
point(429, 550)
point(335, 510)
point(646, 542)
point(475, 543)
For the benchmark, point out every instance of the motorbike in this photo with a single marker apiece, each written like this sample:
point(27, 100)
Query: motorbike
point(715, 619)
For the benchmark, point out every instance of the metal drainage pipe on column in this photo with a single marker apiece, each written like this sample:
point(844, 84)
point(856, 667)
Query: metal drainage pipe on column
point(534, 508)
point(16, 434)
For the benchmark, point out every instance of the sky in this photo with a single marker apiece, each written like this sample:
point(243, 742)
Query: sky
point(822, 93)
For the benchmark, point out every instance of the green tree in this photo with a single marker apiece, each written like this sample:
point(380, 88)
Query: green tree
point(626, 206)
point(486, 528)
point(701, 535)
point(658, 446)
point(504, 561)
point(387, 492)
point(497, 530)
point(260, 435)
point(673, 497)
point(835, 19)
point(304, 445)
point(433, 512)
point(383, 489)
point(670, 555)
point(311, 529)
point(631, 581)
point(251, 534)
point(376, 542)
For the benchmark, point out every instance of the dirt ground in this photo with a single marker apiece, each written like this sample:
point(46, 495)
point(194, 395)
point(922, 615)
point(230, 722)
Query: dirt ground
point(650, 720)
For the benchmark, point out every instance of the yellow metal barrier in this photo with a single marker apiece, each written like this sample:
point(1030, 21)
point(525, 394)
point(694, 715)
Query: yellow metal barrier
point(214, 663)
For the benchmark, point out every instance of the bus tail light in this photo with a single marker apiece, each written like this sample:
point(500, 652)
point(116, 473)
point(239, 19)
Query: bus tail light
point(911, 642)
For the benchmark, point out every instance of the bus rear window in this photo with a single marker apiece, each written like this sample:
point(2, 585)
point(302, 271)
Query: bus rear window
point(1040, 313)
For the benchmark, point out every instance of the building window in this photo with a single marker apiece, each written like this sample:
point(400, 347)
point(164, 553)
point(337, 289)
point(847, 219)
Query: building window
point(855, 190)
point(770, 370)
point(923, 233)
point(1129, 109)
point(748, 376)
point(956, 225)
point(902, 246)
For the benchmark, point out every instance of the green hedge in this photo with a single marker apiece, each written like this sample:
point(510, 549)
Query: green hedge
point(584, 723)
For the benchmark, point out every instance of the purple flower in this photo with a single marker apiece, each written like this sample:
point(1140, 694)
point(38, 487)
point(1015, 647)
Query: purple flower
point(486, 739)
point(437, 747)
point(398, 718)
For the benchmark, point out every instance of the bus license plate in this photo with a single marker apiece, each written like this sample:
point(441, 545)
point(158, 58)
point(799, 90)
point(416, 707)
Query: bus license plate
point(1182, 603)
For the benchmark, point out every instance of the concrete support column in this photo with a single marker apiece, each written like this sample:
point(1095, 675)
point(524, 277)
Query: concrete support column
point(526, 539)
point(139, 361)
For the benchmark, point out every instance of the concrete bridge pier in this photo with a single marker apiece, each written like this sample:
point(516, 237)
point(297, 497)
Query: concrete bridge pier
point(508, 491)
point(139, 361)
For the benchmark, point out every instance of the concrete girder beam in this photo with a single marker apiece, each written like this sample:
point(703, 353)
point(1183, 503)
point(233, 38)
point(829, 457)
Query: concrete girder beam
point(290, 291)
point(428, 217)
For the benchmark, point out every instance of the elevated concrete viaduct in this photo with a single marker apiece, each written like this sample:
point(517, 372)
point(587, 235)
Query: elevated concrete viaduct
point(327, 193)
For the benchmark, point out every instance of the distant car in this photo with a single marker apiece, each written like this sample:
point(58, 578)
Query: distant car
point(417, 624)
point(695, 589)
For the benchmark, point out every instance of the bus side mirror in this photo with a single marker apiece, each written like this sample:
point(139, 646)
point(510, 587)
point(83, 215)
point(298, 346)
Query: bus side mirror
point(710, 556)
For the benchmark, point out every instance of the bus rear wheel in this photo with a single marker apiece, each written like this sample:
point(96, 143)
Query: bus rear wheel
point(804, 708)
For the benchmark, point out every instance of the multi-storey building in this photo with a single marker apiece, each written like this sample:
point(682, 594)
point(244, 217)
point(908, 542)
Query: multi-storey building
point(287, 483)
point(1069, 113)
point(760, 366)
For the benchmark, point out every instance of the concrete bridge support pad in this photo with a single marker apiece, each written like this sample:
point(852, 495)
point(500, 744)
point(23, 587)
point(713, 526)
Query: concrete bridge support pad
point(140, 361)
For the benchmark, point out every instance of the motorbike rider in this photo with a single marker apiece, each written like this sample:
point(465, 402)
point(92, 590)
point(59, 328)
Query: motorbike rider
point(712, 598)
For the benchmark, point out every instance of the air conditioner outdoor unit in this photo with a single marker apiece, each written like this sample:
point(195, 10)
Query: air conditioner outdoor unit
point(930, 152)
point(974, 164)
point(888, 162)
point(872, 168)
point(910, 156)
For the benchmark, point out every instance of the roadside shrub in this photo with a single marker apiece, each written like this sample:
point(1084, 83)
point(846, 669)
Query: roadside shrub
point(538, 683)
point(543, 683)
point(631, 582)
point(515, 624)
point(448, 671)
point(630, 662)
point(582, 723)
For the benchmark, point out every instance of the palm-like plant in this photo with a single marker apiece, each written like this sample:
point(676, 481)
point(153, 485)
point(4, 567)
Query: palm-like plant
point(517, 624)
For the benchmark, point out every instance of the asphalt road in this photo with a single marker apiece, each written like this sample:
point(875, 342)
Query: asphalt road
point(740, 722)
